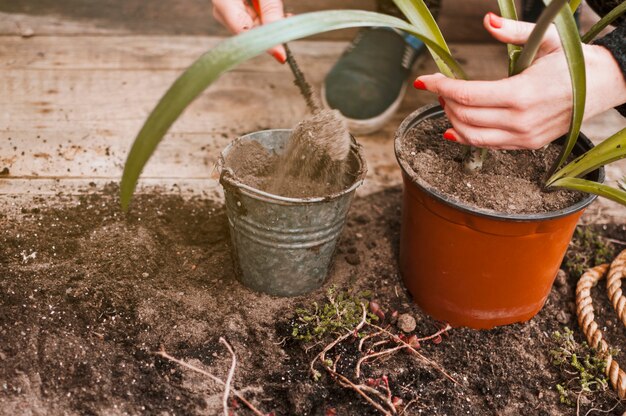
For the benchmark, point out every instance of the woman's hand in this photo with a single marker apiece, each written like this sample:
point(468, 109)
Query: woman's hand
point(239, 15)
point(531, 109)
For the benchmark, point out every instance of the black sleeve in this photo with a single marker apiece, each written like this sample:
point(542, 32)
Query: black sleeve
point(615, 42)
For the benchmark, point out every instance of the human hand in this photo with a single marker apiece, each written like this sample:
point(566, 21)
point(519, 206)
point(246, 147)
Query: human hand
point(239, 15)
point(531, 109)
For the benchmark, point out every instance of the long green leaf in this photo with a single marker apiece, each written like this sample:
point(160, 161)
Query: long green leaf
point(573, 5)
point(235, 50)
point(570, 41)
point(418, 14)
point(610, 150)
point(609, 18)
point(507, 10)
point(591, 187)
point(536, 36)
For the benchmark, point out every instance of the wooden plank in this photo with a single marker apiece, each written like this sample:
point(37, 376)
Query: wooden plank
point(460, 21)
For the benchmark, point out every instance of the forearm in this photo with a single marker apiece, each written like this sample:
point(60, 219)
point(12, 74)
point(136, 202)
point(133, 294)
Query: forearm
point(615, 44)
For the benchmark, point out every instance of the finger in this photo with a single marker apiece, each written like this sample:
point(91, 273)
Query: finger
point(482, 137)
point(233, 15)
point(271, 10)
point(517, 32)
point(488, 117)
point(470, 93)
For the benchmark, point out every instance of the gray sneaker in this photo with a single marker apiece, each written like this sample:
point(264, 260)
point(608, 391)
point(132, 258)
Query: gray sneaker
point(368, 82)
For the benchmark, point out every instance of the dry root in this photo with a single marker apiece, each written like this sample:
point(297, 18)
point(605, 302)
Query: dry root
point(375, 392)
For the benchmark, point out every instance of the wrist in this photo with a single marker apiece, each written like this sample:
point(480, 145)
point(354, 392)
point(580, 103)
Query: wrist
point(606, 85)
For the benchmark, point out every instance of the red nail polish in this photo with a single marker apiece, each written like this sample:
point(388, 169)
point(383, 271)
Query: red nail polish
point(495, 20)
point(419, 84)
point(448, 135)
point(279, 57)
point(442, 103)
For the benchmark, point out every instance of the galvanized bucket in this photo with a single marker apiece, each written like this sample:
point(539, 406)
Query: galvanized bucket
point(284, 246)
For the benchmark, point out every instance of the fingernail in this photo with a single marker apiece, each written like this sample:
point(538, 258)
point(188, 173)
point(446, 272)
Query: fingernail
point(442, 103)
point(419, 84)
point(448, 135)
point(279, 57)
point(495, 20)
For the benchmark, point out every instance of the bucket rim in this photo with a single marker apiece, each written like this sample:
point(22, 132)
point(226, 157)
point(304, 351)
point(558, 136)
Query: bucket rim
point(227, 178)
point(435, 110)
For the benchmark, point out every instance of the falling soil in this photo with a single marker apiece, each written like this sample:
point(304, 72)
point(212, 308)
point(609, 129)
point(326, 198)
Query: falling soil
point(317, 151)
point(510, 181)
point(304, 168)
point(88, 294)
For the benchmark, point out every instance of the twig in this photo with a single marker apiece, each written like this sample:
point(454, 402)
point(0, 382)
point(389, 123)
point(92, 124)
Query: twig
point(407, 407)
point(613, 240)
point(366, 337)
point(415, 352)
point(321, 356)
point(217, 380)
point(354, 387)
point(376, 354)
point(594, 409)
point(229, 378)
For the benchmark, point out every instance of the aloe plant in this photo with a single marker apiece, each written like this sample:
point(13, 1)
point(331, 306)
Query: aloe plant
point(237, 49)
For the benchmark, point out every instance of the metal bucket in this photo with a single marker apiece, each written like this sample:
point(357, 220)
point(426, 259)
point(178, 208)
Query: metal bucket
point(284, 246)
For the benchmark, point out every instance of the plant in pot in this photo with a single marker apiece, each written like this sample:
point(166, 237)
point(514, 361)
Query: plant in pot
point(420, 23)
point(470, 253)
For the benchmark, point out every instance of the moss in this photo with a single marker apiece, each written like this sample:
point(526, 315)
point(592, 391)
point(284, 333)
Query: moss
point(340, 313)
point(582, 367)
point(587, 249)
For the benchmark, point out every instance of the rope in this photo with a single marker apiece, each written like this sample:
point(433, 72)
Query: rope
point(584, 310)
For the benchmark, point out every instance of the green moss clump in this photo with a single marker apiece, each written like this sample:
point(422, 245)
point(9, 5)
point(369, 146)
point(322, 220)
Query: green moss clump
point(587, 249)
point(584, 367)
point(340, 313)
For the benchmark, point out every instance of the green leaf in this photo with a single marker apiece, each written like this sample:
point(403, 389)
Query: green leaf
point(604, 22)
point(610, 150)
point(573, 5)
point(507, 10)
point(592, 187)
point(418, 14)
point(570, 41)
point(544, 21)
point(235, 50)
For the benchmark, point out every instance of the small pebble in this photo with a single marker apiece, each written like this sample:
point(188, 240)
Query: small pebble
point(563, 317)
point(406, 323)
point(144, 275)
point(561, 278)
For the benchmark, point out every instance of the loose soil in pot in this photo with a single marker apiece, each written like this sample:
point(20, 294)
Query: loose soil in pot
point(87, 294)
point(509, 182)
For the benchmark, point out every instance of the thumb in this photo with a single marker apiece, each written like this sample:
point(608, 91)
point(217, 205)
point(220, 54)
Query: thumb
point(516, 32)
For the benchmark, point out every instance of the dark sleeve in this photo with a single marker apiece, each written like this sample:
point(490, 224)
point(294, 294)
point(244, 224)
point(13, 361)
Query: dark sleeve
point(615, 42)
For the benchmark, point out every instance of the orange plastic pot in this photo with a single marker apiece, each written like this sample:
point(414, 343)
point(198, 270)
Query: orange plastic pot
point(477, 268)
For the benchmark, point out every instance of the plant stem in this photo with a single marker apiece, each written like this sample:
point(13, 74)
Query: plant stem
point(474, 159)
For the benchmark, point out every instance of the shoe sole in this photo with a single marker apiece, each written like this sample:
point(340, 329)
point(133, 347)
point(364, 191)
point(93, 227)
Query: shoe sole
point(370, 125)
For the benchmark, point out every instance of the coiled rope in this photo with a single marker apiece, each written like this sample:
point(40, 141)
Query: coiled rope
point(584, 310)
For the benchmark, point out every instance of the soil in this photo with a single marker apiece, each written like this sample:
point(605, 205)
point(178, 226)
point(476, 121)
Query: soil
point(510, 181)
point(88, 294)
point(302, 170)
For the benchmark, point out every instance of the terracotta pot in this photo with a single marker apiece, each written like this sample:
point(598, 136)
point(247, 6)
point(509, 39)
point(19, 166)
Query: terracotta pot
point(476, 268)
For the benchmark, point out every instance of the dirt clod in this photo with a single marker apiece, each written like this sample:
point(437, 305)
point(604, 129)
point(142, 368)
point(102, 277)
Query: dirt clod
point(406, 323)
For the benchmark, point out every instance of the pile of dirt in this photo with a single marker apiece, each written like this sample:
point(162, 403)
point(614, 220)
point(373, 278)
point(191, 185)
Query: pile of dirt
point(88, 294)
point(510, 181)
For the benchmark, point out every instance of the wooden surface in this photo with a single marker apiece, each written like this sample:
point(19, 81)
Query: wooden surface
point(73, 97)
